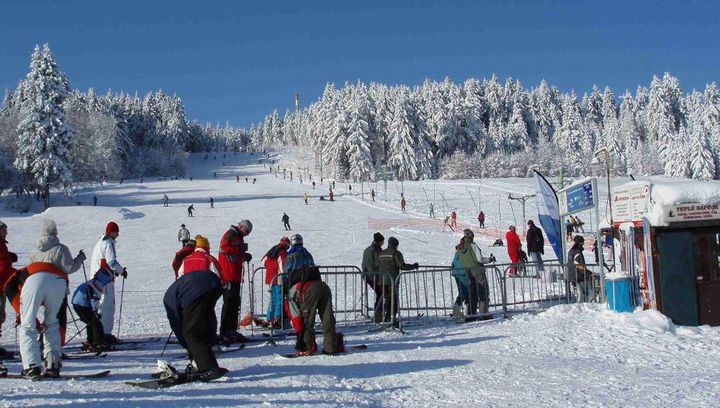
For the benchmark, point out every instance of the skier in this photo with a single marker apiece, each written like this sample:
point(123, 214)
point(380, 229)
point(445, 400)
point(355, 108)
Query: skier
point(432, 211)
point(274, 261)
point(332, 196)
point(246, 180)
point(372, 194)
point(104, 257)
point(313, 184)
point(535, 245)
point(190, 210)
point(233, 253)
point(446, 223)
point(254, 180)
point(514, 246)
point(183, 234)
point(286, 221)
point(46, 285)
point(307, 296)
point(237, 178)
point(481, 219)
point(7, 258)
point(370, 273)
point(122, 179)
point(85, 302)
point(577, 272)
point(190, 307)
point(462, 282)
point(94, 200)
point(402, 204)
point(305, 197)
point(390, 263)
point(453, 220)
point(350, 189)
point(142, 179)
point(212, 203)
point(472, 261)
point(187, 249)
point(579, 225)
point(568, 230)
point(166, 200)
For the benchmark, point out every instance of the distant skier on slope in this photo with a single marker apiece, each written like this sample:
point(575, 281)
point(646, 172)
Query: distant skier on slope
point(190, 210)
point(183, 234)
point(286, 221)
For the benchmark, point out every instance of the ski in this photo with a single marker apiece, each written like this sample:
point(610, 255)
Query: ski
point(126, 347)
point(348, 350)
point(122, 343)
point(81, 355)
point(99, 374)
point(217, 352)
point(180, 378)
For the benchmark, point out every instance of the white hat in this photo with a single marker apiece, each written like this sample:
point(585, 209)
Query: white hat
point(247, 224)
point(48, 228)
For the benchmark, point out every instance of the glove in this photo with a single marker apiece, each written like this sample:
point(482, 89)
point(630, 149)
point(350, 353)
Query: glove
point(81, 256)
point(248, 257)
point(124, 273)
point(13, 257)
point(416, 265)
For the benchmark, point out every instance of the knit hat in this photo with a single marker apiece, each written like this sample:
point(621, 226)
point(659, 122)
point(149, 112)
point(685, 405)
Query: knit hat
point(378, 237)
point(392, 241)
point(191, 242)
point(2, 225)
point(111, 227)
point(247, 224)
point(578, 239)
point(48, 228)
point(202, 242)
point(467, 233)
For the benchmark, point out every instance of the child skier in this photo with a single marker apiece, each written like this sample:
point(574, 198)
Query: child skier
point(274, 260)
point(85, 301)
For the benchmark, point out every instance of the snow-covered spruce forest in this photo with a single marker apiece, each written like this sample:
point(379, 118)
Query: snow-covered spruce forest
point(490, 129)
point(52, 136)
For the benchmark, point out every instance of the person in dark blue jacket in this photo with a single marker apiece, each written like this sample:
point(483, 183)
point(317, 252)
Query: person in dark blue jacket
point(190, 307)
point(85, 302)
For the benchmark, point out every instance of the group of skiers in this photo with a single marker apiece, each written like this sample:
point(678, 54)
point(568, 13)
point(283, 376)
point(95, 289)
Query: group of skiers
point(43, 285)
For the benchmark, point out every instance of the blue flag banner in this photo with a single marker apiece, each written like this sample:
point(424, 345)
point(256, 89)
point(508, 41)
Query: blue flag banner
point(549, 213)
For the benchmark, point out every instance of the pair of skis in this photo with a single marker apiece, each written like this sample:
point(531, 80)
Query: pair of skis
point(99, 374)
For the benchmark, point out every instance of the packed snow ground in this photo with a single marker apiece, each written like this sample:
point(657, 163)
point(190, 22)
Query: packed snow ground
point(568, 356)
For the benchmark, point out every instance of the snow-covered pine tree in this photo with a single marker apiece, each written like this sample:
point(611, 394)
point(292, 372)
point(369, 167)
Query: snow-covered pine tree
point(45, 138)
point(677, 163)
point(702, 162)
point(358, 151)
point(571, 135)
point(402, 151)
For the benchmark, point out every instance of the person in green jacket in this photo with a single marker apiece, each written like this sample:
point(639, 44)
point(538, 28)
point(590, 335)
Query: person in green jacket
point(471, 260)
point(370, 268)
point(390, 263)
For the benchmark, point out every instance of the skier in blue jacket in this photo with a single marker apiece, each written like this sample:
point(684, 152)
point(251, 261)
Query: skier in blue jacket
point(85, 301)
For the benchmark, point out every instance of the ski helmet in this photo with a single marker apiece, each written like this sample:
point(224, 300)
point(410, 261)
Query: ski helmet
point(467, 233)
point(296, 239)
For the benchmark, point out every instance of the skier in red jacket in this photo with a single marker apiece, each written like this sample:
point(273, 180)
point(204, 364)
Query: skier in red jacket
point(233, 253)
point(514, 246)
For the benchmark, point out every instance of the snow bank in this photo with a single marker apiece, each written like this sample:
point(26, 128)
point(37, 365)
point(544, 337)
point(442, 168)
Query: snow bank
point(665, 194)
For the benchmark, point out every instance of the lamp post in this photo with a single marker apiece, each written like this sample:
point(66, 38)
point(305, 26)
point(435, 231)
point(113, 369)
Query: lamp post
point(597, 167)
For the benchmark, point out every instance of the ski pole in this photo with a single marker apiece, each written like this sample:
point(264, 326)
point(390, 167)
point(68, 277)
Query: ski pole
point(74, 320)
point(84, 272)
point(122, 296)
point(166, 343)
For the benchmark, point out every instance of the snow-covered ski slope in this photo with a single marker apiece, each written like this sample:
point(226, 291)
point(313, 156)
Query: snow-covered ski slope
point(567, 356)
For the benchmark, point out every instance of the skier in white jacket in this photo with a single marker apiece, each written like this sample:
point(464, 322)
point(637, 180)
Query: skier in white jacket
point(104, 257)
point(46, 285)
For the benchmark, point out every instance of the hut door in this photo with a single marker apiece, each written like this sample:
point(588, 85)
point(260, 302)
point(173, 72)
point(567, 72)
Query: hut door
point(707, 269)
point(678, 294)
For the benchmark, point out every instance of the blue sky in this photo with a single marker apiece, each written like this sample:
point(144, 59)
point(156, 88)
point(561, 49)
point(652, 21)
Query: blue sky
point(236, 61)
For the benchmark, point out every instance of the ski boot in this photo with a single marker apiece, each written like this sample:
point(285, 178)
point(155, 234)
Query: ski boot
point(246, 320)
point(232, 337)
point(110, 339)
point(33, 373)
point(305, 350)
point(53, 371)
point(211, 374)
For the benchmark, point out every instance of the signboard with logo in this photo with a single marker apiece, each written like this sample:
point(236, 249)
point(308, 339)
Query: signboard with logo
point(692, 212)
point(578, 197)
point(630, 202)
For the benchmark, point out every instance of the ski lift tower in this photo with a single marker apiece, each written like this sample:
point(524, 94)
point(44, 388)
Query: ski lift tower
point(522, 199)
